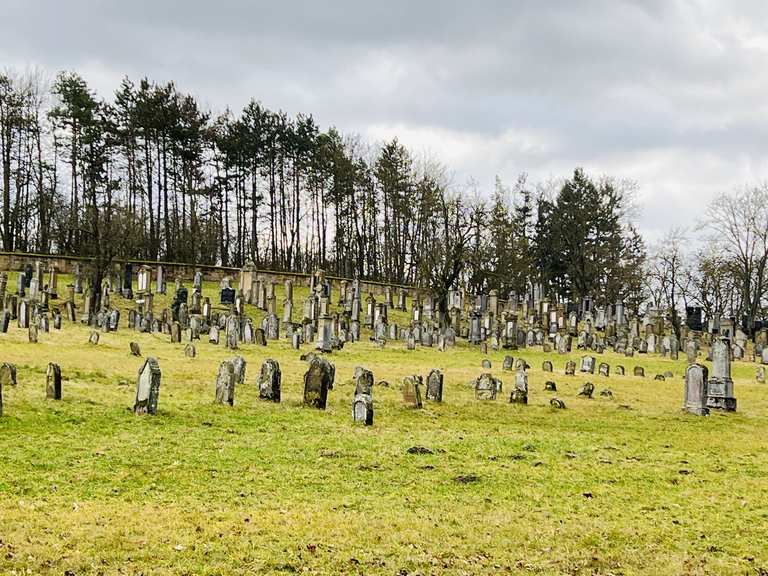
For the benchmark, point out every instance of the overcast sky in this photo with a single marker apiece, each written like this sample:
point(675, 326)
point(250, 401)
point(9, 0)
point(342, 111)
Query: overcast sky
point(670, 93)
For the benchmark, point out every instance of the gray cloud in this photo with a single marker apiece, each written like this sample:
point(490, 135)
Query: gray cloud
point(669, 93)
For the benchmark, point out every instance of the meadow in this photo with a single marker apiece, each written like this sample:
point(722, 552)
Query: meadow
point(621, 485)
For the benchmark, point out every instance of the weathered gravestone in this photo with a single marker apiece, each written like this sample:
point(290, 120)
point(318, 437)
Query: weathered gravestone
point(190, 351)
point(695, 398)
point(587, 390)
point(557, 404)
point(412, 391)
point(587, 364)
point(519, 393)
point(147, 388)
point(362, 402)
point(508, 364)
point(213, 335)
point(720, 384)
point(570, 368)
point(550, 386)
point(486, 364)
point(487, 387)
point(238, 364)
point(760, 374)
point(225, 384)
point(317, 381)
point(269, 380)
point(619, 370)
point(435, 385)
point(8, 375)
point(639, 371)
point(53, 382)
point(135, 349)
point(604, 369)
point(546, 366)
point(33, 333)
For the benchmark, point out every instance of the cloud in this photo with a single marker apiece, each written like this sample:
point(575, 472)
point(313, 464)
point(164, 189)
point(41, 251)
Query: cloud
point(667, 92)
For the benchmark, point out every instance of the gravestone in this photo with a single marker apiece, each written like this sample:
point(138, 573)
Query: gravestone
point(190, 351)
point(135, 349)
point(7, 375)
point(587, 364)
point(486, 364)
point(690, 351)
point(53, 382)
point(412, 391)
point(487, 387)
point(508, 364)
point(435, 385)
point(362, 402)
point(225, 384)
point(550, 386)
point(175, 333)
point(639, 371)
point(720, 384)
point(696, 396)
point(546, 366)
point(317, 381)
point(604, 369)
point(760, 374)
point(619, 370)
point(238, 365)
point(519, 393)
point(570, 368)
point(213, 335)
point(33, 333)
point(269, 381)
point(147, 388)
point(587, 390)
point(557, 404)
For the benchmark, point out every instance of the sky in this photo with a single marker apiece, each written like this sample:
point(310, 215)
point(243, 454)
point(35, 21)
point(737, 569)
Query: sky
point(670, 94)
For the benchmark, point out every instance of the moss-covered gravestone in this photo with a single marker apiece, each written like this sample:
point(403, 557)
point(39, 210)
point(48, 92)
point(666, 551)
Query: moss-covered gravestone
point(53, 382)
point(225, 384)
point(269, 380)
point(317, 381)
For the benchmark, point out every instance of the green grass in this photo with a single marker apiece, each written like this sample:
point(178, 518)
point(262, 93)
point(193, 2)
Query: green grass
point(623, 486)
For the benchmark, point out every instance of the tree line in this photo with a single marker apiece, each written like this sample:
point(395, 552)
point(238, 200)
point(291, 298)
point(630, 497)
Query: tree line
point(150, 174)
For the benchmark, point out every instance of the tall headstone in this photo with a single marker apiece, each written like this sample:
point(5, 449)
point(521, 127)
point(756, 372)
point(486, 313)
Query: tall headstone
point(435, 385)
point(225, 384)
point(412, 391)
point(53, 382)
point(695, 399)
point(362, 402)
point(318, 379)
point(720, 384)
point(147, 388)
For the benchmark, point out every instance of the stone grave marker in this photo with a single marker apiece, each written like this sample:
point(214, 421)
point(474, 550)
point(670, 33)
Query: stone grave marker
point(435, 385)
point(147, 388)
point(7, 374)
point(318, 380)
point(487, 387)
point(190, 351)
point(695, 397)
point(639, 371)
point(587, 390)
point(550, 386)
point(720, 384)
point(53, 382)
point(546, 366)
point(604, 369)
point(269, 380)
point(570, 368)
point(412, 391)
point(225, 384)
point(619, 370)
point(519, 393)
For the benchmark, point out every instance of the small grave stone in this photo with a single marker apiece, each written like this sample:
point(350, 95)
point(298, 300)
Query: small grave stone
point(587, 390)
point(486, 364)
point(7, 374)
point(53, 382)
point(412, 391)
point(519, 393)
point(619, 370)
point(587, 364)
point(135, 349)
point(509, 364)
point(362, 402)
point(317, 381)
point(239, 364)
point(760, 374)
point(639, 372)
point(213, 335)
point(147, 388)
point(604, 370)
point(435, 385)
point(557, 404)
point(190, 351)
point(606, 393)
point(269, 381)
point(570, 368)
point(546, 366)
point(487, 387)
point(33, 333)
point(550, 386)
point(225, 384)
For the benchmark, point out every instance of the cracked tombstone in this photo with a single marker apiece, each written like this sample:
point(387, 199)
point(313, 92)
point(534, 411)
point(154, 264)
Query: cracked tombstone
point(435, 385)
point(318, 379)
point(487, 387)
point(268, 380)
point(225, 384)
point(148, 388)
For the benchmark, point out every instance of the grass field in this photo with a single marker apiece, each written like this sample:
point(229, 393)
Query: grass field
point(628, 485)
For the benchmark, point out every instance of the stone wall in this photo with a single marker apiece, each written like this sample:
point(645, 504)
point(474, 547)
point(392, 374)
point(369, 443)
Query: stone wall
point(15, 261)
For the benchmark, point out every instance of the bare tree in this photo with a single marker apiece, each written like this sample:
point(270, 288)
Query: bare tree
point(738, 225)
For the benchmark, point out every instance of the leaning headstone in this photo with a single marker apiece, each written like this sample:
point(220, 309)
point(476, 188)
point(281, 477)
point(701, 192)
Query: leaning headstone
point(435, 385)
point(557, 404)
point(225, 384)
point(147, 388)
point(695, 399)
point(135, 349)
point(412, 391)
point(587, 389)
point(317, 381)
point(269, 381)
point(53, 382)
